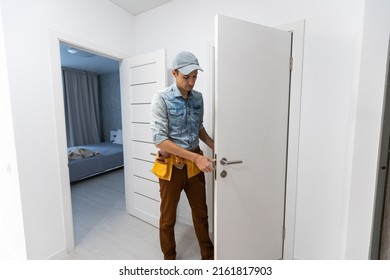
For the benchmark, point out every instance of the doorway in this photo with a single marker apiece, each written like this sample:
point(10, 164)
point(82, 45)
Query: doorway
point(55, 39)
point(92, 105)
point(380, 241)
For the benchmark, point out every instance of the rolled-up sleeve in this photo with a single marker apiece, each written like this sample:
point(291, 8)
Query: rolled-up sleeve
point(159, 119)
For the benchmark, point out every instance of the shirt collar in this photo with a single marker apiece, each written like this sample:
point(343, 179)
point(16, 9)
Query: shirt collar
point(178, 93)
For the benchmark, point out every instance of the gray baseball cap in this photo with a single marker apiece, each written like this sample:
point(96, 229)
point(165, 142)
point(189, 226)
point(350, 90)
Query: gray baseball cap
point(186, 62)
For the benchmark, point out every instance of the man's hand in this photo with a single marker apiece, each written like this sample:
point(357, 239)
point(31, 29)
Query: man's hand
point(205, 163)
point(162, 155)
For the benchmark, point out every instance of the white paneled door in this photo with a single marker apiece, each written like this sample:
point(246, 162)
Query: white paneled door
point(252, 65)
point(142, 76)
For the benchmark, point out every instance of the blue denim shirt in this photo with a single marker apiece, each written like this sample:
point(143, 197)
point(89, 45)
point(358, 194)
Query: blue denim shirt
point(177, 119)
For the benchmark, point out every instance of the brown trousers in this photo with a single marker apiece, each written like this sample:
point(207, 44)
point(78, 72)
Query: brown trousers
point(170, 195)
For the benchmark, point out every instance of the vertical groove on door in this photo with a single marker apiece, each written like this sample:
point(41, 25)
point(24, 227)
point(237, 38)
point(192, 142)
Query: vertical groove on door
point(385, 236)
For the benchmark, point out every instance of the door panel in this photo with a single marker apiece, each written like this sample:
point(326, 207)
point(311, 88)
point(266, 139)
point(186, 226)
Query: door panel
point(148, 209)
point(142, 150)
point(142, 132)
point(144, 73)
point(251, 125)
point(141, 113)
point(143, 93)
point(142, 76)
point(147, 188)
point(143, 169)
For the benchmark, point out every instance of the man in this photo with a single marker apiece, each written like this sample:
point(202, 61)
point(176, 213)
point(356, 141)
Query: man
point(177, 125)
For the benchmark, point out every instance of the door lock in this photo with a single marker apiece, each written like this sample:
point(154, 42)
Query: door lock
point(223, 173)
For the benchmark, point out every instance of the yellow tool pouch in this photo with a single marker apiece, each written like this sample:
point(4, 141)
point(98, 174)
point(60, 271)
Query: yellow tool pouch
point(163, 168)
point(192, 169)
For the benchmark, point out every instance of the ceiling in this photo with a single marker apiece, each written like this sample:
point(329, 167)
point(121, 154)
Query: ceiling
point(81, 59)
point(136, 7)
point(73, 57)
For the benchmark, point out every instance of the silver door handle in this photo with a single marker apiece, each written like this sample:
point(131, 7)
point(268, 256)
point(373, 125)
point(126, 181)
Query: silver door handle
point(224, 161)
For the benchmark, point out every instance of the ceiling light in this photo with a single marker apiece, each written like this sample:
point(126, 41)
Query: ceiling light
point(73, 50)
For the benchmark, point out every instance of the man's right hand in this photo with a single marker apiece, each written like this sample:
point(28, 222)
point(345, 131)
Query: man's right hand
point(162, 155)
point(204, 163)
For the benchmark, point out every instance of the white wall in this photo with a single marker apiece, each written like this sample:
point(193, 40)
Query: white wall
point(330, 80)
point(374, 64)
point(28, 27)
point(11, 220)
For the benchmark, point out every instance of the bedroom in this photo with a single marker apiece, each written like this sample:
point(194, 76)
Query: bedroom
point(93, 112)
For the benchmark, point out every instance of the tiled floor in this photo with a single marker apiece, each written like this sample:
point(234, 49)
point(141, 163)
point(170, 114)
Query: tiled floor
point(105, 231)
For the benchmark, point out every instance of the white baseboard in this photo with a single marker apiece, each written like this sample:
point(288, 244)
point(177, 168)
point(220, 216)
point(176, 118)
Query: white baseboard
point(297, 258)
point(59, 255)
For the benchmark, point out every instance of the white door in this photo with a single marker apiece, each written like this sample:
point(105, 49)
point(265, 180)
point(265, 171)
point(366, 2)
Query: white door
point(141, 77)
point(252, 64)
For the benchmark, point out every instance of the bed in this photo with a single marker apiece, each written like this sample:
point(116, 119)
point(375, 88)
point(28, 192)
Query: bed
point(93, 159)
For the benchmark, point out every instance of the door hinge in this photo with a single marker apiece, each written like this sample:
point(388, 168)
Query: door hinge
point(291, 63)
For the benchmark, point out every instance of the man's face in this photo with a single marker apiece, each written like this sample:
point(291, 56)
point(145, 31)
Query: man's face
point(185, 83)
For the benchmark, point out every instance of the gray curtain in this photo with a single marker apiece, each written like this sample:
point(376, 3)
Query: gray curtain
point(82, 110)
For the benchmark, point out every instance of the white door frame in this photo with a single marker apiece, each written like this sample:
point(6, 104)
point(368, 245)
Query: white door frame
point(298, 29)
point(55, 38)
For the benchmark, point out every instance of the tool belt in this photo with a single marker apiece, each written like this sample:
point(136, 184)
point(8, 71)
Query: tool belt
point(164, 163)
